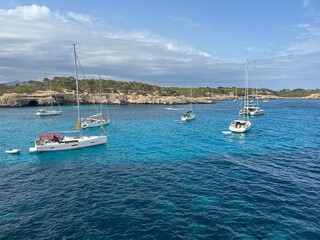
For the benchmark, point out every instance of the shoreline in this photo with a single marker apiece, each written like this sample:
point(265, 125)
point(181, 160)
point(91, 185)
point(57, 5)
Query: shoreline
point(44, 99)
point(11, 100)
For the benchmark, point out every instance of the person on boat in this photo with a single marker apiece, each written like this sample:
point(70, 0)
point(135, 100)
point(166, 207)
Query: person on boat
point(55, 138)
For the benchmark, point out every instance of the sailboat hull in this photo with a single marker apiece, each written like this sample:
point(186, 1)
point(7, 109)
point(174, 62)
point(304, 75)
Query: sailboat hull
point(48, 112)
point(188, 117)
point(68, 143)
point(257, 112)
point(96, 123)
point(252, 111)
point(240, 126)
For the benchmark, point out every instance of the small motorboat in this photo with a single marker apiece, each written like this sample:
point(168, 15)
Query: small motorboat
point(13, 151)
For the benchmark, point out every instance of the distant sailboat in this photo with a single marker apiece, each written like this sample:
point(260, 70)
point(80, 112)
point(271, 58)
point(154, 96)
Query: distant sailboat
point(242, 125)
point(49, 111)
point(252, 108)
point(235, 96)
point(95, 120)
point(49, 142)
point(189, 115)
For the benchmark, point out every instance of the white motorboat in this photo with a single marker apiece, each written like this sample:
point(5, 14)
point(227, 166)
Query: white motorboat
point(50, 142)
point(13, 151)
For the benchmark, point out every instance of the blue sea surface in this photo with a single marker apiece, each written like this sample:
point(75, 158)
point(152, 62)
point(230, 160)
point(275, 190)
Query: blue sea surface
point(159, 178)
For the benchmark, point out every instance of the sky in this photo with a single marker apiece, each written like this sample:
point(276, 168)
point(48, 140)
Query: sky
point(164, 42)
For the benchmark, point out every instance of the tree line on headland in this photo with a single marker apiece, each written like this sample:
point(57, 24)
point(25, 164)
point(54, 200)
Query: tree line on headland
point(67, 84)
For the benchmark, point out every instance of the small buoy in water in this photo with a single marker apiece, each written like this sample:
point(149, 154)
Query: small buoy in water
point(13, 151)
point(226, 132)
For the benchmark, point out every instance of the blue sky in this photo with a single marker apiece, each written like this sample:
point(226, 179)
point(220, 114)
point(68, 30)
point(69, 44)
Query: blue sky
point(168, 43)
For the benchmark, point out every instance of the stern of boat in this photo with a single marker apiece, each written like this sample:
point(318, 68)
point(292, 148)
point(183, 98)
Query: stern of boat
point(32, 149)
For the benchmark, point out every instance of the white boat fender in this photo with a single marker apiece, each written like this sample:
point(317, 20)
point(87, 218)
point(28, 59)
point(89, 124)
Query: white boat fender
point(226, 132)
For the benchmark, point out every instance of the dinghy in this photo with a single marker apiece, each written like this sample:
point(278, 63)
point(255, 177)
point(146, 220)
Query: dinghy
point(13, 150)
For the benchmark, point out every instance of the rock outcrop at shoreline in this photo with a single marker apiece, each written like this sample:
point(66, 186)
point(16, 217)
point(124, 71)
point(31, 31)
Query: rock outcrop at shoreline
point(35, 99)
point(44, 99)
point(313, 96)
point(68, 98)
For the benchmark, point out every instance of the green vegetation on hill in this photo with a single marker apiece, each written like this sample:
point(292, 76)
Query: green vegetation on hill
point(112, 86)
point(298, 92)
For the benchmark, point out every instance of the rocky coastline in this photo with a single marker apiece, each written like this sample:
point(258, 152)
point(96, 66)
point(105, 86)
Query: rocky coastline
point(44, 99)
point(68, 98)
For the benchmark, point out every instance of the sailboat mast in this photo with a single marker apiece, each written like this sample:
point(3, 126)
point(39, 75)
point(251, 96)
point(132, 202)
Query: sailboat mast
point(100, 94)
point(255, 80)
point(247, 90)
point(256, 85)
point(77, 86)
point(236, 96)
point(191, 100)
point(51, 95)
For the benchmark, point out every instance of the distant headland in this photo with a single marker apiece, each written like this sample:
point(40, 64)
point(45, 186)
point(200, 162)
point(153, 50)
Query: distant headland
point(38, 93)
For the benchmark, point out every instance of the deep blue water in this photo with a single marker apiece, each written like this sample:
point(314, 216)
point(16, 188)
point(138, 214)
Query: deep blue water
point(158, 178)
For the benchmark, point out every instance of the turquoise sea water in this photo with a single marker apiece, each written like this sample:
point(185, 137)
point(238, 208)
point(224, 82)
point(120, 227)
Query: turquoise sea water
point(158, 178)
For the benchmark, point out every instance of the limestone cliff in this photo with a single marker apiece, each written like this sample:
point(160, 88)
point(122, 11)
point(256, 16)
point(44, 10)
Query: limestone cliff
point(65, 98)
point(313, 96)
point(35, 99)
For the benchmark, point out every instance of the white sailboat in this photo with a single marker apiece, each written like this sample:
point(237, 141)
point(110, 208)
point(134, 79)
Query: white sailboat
point(242, 125)
point(49, 111)
point(252, 108)
point(189, 115)
point(235, 96)
point(95, 120)
point(50, 142)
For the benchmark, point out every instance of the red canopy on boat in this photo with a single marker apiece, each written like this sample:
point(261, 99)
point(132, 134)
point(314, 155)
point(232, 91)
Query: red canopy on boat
point(48, 135)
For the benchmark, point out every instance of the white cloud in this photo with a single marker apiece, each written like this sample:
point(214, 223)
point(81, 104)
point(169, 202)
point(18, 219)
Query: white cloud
point(28, 12)
point(33, 48)
point(79, 17)
point(305, 3)
point(187, 22)
point(257, 50)
point(302, 25)
point(36, 42)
